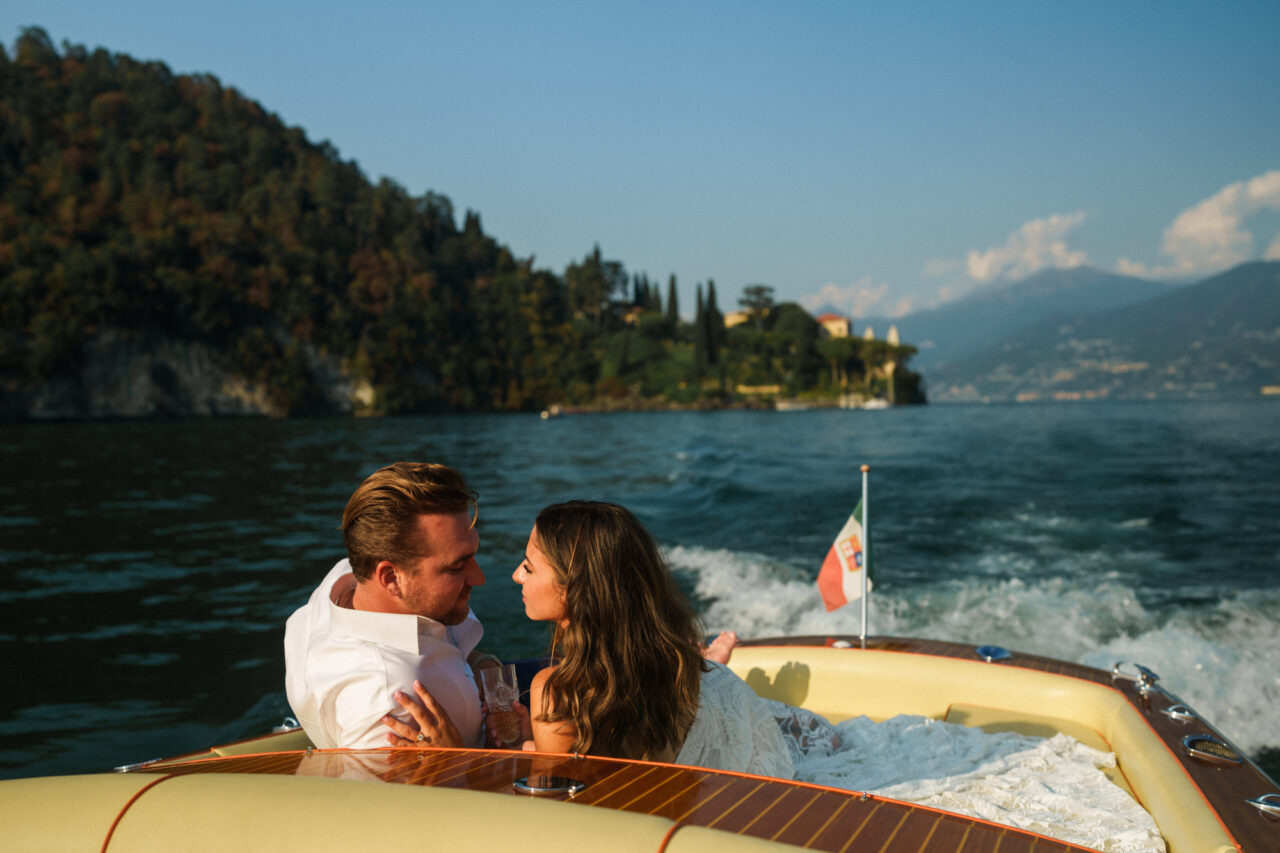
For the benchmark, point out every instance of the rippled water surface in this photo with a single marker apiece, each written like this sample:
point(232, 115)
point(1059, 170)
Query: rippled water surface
point(149, 567)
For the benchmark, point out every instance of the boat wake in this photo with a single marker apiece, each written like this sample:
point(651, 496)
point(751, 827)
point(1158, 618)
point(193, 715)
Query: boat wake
point(1217, 654)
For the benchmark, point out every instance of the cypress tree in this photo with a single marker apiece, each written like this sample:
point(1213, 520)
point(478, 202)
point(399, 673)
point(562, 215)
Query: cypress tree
point(701, 342)
point(713, 320)
point(673, 307)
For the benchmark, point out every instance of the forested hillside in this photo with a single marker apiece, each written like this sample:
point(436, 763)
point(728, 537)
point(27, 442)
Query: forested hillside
point(169, 240)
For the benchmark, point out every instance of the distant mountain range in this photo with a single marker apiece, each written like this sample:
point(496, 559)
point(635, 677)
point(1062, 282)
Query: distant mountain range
point(989, 315)
point(1217, 338)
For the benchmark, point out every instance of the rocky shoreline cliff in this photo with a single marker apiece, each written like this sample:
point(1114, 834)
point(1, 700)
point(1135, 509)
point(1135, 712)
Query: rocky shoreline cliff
point(126, 375)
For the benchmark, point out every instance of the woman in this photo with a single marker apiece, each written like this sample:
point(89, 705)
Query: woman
point(630, 680)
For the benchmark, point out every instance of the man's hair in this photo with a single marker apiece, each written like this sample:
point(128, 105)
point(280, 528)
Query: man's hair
point(380, 521)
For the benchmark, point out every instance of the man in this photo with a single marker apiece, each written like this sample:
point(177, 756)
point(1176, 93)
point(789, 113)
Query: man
point(394, 612)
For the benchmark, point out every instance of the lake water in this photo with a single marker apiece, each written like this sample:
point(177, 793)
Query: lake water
point(149, 567)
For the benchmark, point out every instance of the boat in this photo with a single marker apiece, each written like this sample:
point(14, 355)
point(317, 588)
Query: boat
point(858, 401)
point(277, 792)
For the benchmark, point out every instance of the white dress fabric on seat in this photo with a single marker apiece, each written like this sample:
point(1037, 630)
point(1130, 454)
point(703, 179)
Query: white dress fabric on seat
point(1054, 786)
point(734, 729)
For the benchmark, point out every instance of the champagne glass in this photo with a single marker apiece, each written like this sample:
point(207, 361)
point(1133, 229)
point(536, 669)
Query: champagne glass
point(501, 690)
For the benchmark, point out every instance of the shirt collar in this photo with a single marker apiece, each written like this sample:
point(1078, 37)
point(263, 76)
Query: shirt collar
point(404, 631)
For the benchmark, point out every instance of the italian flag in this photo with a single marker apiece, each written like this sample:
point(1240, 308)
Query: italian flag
point(840, 580)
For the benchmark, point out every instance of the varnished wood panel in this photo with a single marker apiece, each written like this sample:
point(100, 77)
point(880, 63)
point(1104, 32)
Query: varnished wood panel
point(803, 815)
point(795, 813)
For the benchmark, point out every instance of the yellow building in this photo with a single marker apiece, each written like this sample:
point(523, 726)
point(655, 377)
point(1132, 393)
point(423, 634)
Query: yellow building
point(836, 325)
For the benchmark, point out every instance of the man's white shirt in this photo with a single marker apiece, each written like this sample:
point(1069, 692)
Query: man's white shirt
point(343, 667)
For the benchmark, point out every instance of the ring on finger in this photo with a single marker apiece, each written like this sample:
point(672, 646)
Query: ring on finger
point(422, 736)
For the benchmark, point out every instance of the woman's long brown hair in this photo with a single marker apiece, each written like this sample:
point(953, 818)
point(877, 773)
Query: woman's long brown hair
point(629, 662)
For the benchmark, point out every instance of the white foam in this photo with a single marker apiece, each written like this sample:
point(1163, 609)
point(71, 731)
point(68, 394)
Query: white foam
point(1220, 657)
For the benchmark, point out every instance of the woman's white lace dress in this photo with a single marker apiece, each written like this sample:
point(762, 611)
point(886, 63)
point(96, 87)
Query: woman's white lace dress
point(734, 729)
point(1052, 786)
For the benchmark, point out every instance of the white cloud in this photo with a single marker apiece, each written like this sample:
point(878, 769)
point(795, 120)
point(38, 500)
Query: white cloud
point(935, 267)
point(1036, 245)
point(1134, 268)
point(863, 298)
point(857, 299)
point(902, 307)
point(1211, 236)
point(1273, 251)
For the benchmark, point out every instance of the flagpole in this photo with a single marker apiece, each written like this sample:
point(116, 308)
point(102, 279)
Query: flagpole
point(866, 553)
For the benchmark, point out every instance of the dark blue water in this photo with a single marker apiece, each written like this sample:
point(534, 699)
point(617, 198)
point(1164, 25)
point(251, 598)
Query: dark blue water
point(149, 567)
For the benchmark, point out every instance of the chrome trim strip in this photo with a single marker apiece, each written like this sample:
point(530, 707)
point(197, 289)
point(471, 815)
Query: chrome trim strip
point(1180, 712)
point(1268, 804)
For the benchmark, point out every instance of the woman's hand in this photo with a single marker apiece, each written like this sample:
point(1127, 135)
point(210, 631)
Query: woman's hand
point(491, 734)
point(434, 728)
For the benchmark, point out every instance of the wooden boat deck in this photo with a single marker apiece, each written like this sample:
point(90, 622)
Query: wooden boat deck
point(807, 816)
point(804, 815)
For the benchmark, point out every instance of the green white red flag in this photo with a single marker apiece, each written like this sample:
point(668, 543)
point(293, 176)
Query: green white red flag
point(848, 564)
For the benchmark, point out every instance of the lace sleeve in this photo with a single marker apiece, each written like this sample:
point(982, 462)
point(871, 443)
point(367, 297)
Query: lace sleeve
point(805, 733)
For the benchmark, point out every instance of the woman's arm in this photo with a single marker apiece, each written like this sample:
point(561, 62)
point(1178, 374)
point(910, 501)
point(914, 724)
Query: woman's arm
point(548, 737)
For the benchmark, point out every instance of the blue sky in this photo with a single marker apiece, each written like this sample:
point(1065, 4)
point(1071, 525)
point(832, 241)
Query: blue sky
point(879, 157)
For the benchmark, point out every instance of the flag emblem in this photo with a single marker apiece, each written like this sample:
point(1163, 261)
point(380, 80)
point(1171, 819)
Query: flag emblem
point(840, 578)
point(852, 551)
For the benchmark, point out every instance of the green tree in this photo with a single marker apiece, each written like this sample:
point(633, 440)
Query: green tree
point(715, 325)
point(840, 355)
point(794, 335)
point(701, 338)
point(757, 299)
point(714, 322)
point(594, 284)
